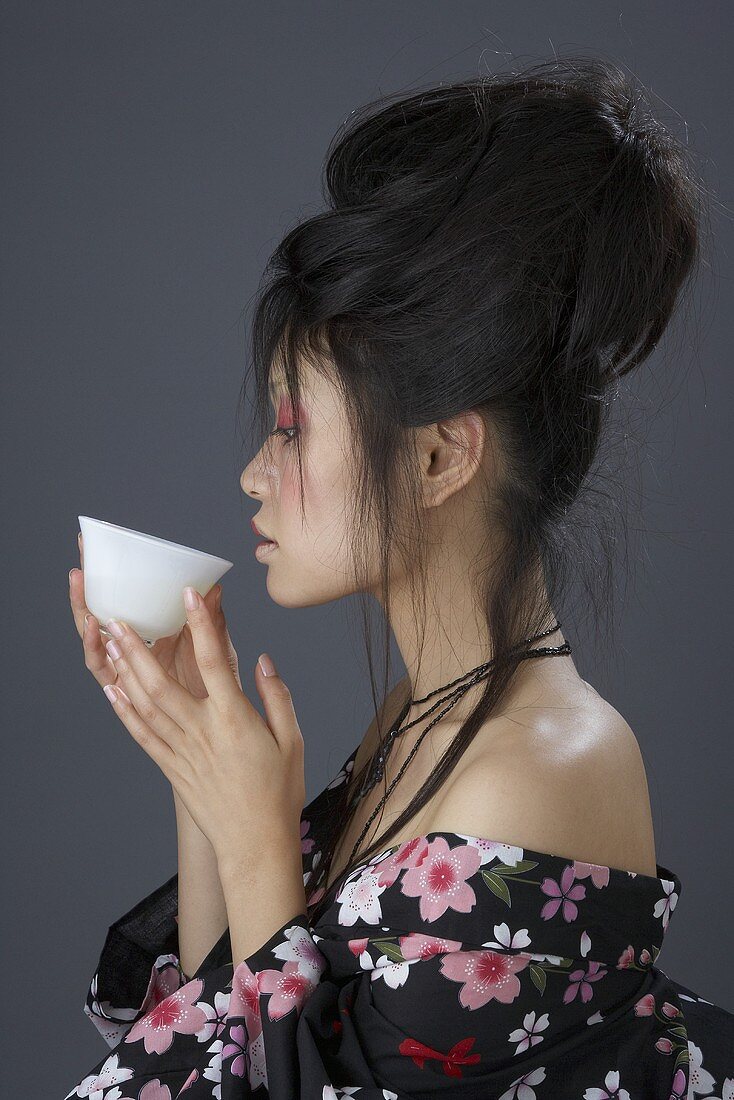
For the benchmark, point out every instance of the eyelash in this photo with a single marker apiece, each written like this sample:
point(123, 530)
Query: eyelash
point(284, 432)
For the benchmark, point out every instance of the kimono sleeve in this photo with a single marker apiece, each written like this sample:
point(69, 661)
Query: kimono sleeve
point(139, 964)
point(298, 1028)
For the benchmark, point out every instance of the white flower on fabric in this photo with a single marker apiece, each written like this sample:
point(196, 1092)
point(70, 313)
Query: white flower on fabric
point(111, 1073)
point(504, 939)
point(508, 854)
point(667, 904)
point(585, 946)
point(527, 1035)
point(612, 1091)
point(394, 973)
point(299, 947)
point(595, 1019)
point(213, 1069)
point(700, 1081)
point(521, 1088)
point(554, 960)
point(359, 900)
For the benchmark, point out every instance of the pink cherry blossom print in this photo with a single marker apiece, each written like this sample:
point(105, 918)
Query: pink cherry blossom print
point(416, 945)
point(245, 999)
point(439, 881)
point(192, 1078)
point(154, 1090)
point(237, 1050)
point(408, 854)
point(566, 893)
point(580, 981)
point(485, 976)
point(307, 842)
point(176, 1014)
point(289, 988)
point(597, 872)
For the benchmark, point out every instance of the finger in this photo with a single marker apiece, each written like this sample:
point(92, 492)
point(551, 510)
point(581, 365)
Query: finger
point(156, 748)
point(280, 714)
point(131, 656)
point(96, 657)
point(211, 656)
point(80, 541)
point(147, 710)
point(76, 599)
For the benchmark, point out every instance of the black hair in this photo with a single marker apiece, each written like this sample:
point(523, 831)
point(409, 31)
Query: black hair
point(513, 244)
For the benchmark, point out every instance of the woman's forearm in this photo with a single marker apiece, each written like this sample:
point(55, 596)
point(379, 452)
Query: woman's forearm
point(202, 912)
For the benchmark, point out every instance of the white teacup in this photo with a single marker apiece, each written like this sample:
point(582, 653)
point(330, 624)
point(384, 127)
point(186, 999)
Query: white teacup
point(140, 578)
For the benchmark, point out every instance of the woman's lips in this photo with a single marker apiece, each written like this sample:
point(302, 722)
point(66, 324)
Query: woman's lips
point(265, 547)
point(257, 531)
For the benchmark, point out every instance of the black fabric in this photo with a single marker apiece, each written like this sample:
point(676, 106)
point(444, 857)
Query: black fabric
point(449, 965)
point(134, 942)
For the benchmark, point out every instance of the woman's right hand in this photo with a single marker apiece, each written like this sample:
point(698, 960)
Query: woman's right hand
point(175, 654)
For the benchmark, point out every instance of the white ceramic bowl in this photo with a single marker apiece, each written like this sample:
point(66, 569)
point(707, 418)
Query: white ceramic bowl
point(140, 578)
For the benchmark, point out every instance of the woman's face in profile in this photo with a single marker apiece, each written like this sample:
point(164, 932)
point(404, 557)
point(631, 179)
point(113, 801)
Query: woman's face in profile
point(311, 563)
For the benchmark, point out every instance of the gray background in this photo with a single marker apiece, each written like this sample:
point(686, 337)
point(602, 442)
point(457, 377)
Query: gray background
point(153, 156)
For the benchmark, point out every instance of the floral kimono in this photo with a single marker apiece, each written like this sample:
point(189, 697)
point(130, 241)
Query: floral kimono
point(447, 966)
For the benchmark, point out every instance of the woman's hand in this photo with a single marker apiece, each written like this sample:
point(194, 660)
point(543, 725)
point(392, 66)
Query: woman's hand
point(175, 654)
point(240, 777)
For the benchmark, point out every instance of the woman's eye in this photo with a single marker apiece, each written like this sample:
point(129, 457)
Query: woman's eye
point(284, 432)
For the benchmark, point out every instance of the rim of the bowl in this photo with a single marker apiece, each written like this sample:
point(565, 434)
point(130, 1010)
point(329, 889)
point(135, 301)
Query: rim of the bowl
point(155, 538)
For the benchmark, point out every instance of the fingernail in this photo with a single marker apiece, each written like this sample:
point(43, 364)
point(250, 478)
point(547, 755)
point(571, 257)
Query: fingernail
point(70, 572)
point(86, 623)
point(219, 599)
point(115, 628)
point(266, 665)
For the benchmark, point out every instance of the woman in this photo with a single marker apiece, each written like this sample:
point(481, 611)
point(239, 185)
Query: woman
point(474, 907)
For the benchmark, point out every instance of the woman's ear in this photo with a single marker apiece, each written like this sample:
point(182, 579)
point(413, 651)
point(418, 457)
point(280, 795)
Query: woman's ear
point(449, 454)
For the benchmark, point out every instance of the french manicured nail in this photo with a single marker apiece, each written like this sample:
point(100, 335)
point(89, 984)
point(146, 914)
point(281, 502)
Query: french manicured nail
point(191, 600)
point(266, 665)
point(114, 628)
point(110, 693)
point(113, 650)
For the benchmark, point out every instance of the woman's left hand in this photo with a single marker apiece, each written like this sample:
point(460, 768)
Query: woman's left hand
point(241, 778)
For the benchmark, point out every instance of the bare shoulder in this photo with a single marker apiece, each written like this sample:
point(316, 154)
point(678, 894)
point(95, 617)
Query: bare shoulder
point(571, 782)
